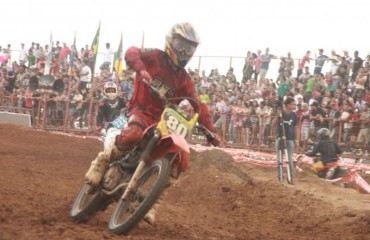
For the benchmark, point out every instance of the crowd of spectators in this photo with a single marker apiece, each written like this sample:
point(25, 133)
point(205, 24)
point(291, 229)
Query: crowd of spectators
point(338, 100)
point(72, 68)
point(241, 109)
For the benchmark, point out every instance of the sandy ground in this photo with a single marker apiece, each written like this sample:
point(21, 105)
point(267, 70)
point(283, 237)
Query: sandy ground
point(41, 173)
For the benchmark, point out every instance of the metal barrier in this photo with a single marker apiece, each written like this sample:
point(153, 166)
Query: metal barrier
point(49, 112)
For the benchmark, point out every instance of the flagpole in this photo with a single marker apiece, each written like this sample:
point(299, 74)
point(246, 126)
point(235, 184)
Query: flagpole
point(66, 118)
point(117, 64)
point(94, 47)
point(142, 41)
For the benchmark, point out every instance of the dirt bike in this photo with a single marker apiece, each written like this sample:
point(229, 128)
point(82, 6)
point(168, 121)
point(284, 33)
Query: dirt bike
point(136, 180)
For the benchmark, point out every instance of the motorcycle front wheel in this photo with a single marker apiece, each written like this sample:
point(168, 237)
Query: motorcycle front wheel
point(127, 214)
point(87, 202)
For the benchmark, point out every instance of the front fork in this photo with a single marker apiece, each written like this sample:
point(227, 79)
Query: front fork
point(144, 158)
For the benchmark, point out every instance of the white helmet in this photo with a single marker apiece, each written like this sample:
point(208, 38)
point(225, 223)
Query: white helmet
point(110, 90)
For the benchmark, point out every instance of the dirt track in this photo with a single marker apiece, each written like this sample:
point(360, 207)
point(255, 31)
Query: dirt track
point(40, 174)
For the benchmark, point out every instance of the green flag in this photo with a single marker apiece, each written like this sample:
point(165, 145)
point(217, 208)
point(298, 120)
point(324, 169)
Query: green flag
point(118, 65)
point(94, 48)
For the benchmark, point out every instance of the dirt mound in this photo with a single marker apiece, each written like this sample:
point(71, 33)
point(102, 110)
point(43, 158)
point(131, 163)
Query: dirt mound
point(216, 198)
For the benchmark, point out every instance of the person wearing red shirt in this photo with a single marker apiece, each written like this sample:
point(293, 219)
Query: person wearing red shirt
point(165, 71)
point(301, 65)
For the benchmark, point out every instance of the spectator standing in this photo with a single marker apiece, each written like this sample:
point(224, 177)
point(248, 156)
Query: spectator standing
point(316, 117)
point(334, 119)
point(363, 135)
point(288, 117)
point(347, 126)
point(356, 64)
point(36, 51)
point(304, 76)
point(257, 64)
point(361, 79)
point(289, 63)
point(319, 61)
point(266, 121)
point(347, 57)
point(248, 66)
point(63, 56)
point(87, 56)
point(305, 125)
point(301, 65)
point(22, 54)
point(266, 58)
point(32, 48)
point(283, 86)
point(231, 76)
point(56, 50)
point(108, 56)
point(85, 76)
point(31, 59)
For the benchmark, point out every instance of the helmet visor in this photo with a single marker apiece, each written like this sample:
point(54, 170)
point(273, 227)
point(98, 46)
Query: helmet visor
point(110, 90)
point(184, 46)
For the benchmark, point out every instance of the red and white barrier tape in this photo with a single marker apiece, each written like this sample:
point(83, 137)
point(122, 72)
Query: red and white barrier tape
point(353, 177)
point(269, 160)
point(265, 159)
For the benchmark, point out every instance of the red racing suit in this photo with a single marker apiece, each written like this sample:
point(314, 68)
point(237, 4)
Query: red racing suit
point(145, 106)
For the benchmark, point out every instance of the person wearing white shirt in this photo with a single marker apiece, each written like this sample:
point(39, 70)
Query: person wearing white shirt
point(108, 56)
point(22, 54)
point(85, 75)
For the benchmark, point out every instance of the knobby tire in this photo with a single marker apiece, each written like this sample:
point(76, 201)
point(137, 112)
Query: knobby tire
point(121, 226)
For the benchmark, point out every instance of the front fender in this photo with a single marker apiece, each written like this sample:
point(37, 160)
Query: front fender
point(176, 140)
point(172, 144)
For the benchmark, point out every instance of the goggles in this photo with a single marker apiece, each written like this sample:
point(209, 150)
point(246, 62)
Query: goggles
point(110, 90)
point(184, 46)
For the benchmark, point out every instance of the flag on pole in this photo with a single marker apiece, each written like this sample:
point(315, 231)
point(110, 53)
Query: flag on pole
point(118, 65)
point(142, 41)
point(72, 54)
point(94, 48)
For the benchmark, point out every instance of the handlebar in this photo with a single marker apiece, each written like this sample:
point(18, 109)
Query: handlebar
point(207, 133)
point(166, 101)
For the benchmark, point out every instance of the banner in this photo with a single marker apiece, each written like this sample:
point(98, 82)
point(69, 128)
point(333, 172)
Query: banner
point(94, 48)
point(72, 54)
point(118, 56)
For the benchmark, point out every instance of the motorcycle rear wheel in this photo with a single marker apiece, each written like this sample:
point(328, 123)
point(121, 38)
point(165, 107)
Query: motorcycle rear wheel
point(87, 202)
point(127, 214)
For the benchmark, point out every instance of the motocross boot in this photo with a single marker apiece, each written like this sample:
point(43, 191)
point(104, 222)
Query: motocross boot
point(330, 173)
point(150, 215)
point(100, 164)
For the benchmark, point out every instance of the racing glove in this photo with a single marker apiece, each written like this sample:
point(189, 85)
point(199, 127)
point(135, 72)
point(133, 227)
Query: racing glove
point(215, 140)
point(145, 76)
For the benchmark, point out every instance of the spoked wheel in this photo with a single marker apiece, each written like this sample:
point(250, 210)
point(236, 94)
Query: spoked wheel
point(88, 201)
point(128, 213)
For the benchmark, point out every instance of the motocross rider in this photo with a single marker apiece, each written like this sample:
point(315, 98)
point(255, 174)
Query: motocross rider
point(110, 106)
point(329, 151)
point(164, 71)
